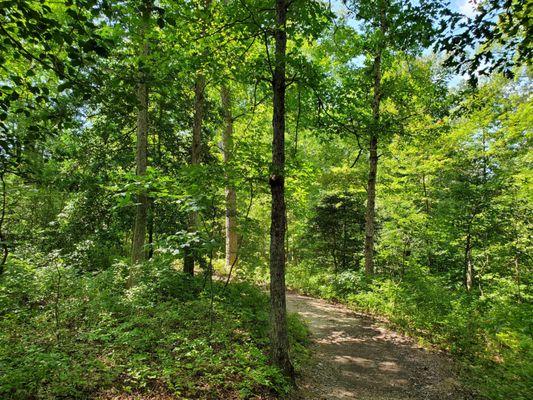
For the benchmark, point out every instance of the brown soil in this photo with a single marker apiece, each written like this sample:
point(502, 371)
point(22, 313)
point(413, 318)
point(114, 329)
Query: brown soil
point(355, 357)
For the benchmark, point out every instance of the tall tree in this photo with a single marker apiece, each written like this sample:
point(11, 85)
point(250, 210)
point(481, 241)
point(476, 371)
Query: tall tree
point(227, 150)
point(231, 195)
point(3, 239)
point(370, 216)
point(278, 219)
point(139, 229)
point(196, 146)
point(389, 28)
point(199, 108)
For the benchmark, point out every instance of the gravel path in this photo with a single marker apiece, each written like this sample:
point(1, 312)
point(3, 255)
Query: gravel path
point(355, 358)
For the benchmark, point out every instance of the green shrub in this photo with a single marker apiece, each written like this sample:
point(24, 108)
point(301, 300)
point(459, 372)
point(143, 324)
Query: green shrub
point(64, 334)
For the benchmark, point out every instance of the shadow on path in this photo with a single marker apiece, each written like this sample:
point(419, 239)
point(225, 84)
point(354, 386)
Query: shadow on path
point(355, 358)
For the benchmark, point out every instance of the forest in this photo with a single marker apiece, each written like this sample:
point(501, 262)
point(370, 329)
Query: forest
point(266, 199)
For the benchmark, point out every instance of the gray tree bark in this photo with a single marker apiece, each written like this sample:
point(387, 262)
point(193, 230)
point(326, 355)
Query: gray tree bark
point(196, 149)
point(139, 229)
point(469, 266)
point(3, 238)
point(199, 109)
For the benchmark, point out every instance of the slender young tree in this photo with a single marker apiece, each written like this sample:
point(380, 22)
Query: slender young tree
point(370, 216)
point(3, 239)
point(386, 34)
point(139, 229)
point(199, 109)
point(227, 150)
point(196, 147)
point(278, 309)
point(231, 195)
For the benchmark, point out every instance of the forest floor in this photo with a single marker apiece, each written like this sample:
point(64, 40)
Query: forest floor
point(355, 357)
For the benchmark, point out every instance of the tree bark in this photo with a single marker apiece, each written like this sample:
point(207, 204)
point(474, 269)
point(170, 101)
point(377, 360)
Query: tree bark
point(196, 150)
point(344, 241)
point(139, 229)
point(469, 267)
point(517, 275)
point(516, 246)
point(3, 239)
point(370, 215)
point(429, 253)
point(231, 196)
point(278, 311)
point(151, 211)
point(199, 109)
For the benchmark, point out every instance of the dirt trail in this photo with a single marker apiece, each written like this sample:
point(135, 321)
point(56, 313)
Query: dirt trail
point(355, 358)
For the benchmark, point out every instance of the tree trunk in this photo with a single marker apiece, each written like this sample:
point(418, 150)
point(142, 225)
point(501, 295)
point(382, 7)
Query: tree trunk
point(3, 239)
point(517, 275)
point(516, 248)
point(231, 196)
point(469, 267)
point(429, 253)
point(199, 106)
point(151, 211)
point(344, 242)
point(370, 216)
point(139, 229)
point(196, 151)
point(334, 251)
point(278, 311)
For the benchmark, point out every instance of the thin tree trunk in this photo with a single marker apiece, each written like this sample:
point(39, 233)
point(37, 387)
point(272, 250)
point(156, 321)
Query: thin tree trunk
point(151, 211)
point(199, 105)
point(517, 275)
point(516, 248)
point(196, 149)
point(344, 241)
point(334, 252)
point(370, 215)
point(231, 196)
point(139, 230)
point(3, 239)
point(469, 267)
point(429, 253)
point(278, 311)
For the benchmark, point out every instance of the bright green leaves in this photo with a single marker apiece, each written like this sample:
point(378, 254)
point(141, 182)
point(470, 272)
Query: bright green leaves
point(40, 43)
point(497, 38)
point(407, 26)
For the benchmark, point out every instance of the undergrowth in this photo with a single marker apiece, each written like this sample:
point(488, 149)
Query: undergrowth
point(64, 334)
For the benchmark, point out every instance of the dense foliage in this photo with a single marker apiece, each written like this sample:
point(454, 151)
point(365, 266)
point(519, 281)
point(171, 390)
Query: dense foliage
point(72, 335)
point(454, 200)
point(407, 192)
